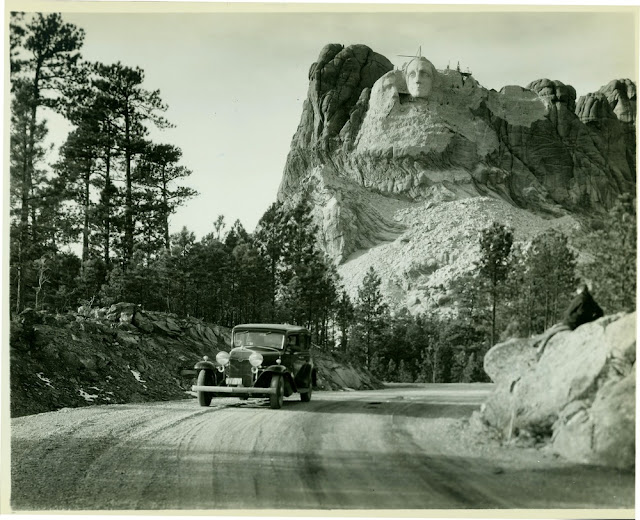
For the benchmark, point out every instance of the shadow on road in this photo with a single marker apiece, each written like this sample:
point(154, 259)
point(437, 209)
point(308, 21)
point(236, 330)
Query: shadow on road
point(395, 407)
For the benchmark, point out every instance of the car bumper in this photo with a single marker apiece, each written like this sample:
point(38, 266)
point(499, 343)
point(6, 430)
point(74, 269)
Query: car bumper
point(240, 390)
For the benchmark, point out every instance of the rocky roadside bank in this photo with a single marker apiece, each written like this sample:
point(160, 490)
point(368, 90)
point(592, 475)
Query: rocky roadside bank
point(572, 393)
point(124, 354)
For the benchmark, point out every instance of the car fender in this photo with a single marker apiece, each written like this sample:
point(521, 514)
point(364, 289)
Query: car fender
point(276, 369)
point(305, 377)
point(264, 379)
point(205, 365)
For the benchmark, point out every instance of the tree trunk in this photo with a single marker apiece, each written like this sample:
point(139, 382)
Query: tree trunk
point(493, 318)
point(434, 365)
point(165, 209)
point(26, 191)
point(128, 208)
point(107, 204)
point(85, 227)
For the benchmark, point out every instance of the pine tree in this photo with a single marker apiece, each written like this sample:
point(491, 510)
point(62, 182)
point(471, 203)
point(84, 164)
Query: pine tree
point(371, 316)
point(269, 238)
point(88, 161)
point(44, 56)
point(157, 171)
point(75, 172)
point(134, 109)
point(493, 266)
point(344, 318)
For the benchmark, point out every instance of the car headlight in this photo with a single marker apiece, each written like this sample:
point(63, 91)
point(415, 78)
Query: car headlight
point(255, 359)
point(222, 358)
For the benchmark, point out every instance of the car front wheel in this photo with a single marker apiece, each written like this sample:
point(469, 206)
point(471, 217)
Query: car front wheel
point(205, 378)
point(276, 399)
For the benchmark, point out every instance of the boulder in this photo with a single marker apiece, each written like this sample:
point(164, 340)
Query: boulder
point(163, 327)
point(117, 310)
point(511, 358)
point(85, 310)
point(99, 313)
point(142, 321)
point(173, 325)
point(579, 392)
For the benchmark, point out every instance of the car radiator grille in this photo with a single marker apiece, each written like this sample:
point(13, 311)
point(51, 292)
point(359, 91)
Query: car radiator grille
point(241, 369)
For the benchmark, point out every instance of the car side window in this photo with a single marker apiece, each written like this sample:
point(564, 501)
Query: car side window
point(293, 343)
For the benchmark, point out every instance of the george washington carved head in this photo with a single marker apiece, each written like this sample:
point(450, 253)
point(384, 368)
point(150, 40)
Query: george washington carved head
point(419, 75)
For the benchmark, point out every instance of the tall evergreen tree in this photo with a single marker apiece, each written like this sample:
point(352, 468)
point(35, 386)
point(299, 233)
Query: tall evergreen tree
point(44, 58)
point(157, 171)
point(135, 108)
point(75, 172)
point(269, 239)
point(371, 316)
point(344, 319)
point(493, 266)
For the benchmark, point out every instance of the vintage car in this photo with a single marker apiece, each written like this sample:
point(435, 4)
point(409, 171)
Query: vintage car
point(266, 360)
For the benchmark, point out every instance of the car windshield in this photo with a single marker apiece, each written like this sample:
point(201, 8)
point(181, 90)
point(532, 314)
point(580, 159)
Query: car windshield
point(246, 338)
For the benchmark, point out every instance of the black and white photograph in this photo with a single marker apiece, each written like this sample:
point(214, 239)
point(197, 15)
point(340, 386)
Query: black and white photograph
point(319, 259)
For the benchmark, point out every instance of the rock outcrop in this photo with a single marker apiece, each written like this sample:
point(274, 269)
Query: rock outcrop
point(369, 154)
point(577, 394)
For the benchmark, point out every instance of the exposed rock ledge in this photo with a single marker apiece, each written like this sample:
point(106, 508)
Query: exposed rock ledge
point(578, 394)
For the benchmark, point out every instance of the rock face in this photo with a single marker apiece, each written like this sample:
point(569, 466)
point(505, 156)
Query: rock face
point(578, 393)
point(370, 155)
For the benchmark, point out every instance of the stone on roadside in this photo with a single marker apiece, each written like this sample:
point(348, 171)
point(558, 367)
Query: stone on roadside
point(581, 391)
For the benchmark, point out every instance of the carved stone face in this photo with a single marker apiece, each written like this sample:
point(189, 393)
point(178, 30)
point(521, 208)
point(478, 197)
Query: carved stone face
point(384, 94)
point(419, 77)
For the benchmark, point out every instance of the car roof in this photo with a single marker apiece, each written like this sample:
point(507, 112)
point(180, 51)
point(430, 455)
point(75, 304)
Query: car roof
point(284, 327)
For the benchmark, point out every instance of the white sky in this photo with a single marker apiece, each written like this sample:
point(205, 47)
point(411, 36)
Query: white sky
point(235, 83)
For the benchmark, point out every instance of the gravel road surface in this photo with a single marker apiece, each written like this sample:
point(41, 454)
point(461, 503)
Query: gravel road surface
point(405, 447)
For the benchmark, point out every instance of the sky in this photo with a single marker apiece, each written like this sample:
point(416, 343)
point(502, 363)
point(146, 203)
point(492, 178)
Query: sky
point(235, 82)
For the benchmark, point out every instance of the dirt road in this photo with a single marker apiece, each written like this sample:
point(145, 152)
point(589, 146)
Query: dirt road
point(398, 448)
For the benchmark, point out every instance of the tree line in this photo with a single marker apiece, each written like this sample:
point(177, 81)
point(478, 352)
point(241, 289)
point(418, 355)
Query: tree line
point(113, 190)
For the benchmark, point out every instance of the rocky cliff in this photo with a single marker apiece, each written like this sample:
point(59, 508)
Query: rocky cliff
point(574, 392)
point(124, 354)
point(382, 166)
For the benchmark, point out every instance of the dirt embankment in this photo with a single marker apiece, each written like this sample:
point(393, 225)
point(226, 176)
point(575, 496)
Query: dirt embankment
point(122, 355)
